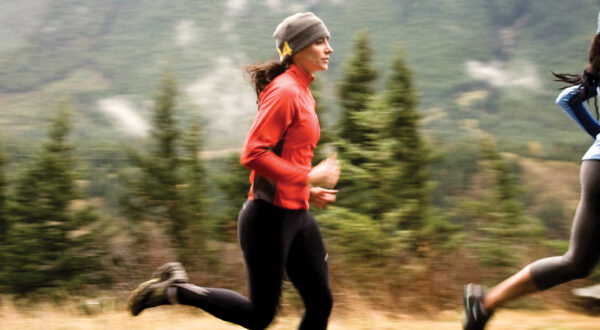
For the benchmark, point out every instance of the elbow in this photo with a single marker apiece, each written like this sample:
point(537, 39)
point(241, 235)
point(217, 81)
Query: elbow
point(248, 157)
point(245, 160)
point(563, 100)
point(245, 163)
point(566, 101)
point(569, 96)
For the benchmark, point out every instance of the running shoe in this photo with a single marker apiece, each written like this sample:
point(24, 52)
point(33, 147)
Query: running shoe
point(474, 316)
point(592, 292)
point(154, 292)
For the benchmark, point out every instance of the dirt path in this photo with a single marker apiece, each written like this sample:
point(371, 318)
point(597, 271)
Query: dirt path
point(184, 318)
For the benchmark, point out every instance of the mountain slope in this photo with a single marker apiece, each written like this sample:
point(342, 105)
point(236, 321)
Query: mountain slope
point(480, 67)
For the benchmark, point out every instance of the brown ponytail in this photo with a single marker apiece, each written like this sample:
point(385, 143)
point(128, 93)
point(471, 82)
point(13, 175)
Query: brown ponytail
point(262, 74)
point(590, 77)
point(594, 55)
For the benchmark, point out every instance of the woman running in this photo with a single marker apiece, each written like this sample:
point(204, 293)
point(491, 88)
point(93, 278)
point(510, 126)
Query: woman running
point(275, 229)
point(584, 246)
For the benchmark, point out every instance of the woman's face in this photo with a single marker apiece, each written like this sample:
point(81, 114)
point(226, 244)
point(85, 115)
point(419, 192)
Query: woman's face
point(314, 57)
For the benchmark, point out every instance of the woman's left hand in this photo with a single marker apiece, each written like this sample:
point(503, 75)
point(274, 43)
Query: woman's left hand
point(321, 197)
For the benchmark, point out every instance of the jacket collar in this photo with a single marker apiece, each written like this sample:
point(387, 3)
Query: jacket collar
point(302, 76)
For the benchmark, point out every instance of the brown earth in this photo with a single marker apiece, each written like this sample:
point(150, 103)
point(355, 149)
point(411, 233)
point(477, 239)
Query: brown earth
point(170, 317)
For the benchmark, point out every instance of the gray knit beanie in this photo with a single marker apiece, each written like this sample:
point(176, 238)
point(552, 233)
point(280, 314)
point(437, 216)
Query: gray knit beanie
point(297, 32)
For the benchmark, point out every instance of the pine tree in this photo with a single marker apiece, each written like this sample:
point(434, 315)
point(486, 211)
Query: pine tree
point(160, 180)
point(361, 184)
point(233, 182)
point(357, 94)
point(326, 137)
point(409, 185)
point(49, 243)
point(501, 225)
point(169, 189)
point(3, 213)
point(357, 89)
point(3, 192)
point(194, 187)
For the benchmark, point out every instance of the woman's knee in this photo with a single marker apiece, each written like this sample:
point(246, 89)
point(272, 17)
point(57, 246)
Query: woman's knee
point(261, 320)
point(579, 265)
point(327, 302)
point(581, 269)
point(321, 304)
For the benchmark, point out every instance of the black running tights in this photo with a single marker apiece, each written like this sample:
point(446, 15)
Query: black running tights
point(584, 245)
point(272, 239)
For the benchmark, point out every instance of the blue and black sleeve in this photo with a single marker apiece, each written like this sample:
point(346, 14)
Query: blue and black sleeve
point(571, 100)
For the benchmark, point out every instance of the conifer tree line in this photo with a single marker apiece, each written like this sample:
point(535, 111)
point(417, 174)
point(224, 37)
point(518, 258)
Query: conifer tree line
point(48, 240)
point(386, 217)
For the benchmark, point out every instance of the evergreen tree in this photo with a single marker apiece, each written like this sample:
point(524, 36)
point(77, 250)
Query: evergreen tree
point(387, 175)
point(326, 137)
point(361, 184)
point(169, 189)
point(3, 192)
point(155, 190)
point(501, 226)
point(357, 89)
point(408, 187)
point(194, 187)
point(49, 243)
point(357, 94)
point(233, 182)
point(3, 213)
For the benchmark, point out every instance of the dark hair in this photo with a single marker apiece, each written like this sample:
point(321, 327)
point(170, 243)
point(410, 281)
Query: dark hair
point(262, 74)
point(590, 77)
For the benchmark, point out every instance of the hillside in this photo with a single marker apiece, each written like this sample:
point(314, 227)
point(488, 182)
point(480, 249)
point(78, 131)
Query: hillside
point(480, 67)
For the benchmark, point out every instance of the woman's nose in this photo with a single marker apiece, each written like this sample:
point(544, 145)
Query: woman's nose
point(328, 48)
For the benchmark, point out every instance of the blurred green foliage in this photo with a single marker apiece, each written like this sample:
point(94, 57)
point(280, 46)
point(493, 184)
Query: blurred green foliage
point(232, 179)
point(356, 90)
point(386, 160)
point(51, 243)
point(501, 229)
point(169, 188)
point(3, 213)
point(355, 238)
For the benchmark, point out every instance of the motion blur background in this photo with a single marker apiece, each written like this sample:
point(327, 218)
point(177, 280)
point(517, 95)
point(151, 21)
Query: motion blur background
point(121, 124)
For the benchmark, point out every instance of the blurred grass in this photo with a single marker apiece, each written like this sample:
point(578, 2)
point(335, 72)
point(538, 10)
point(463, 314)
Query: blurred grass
point(360, 317)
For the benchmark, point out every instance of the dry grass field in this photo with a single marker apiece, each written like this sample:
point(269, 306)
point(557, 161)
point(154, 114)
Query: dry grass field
point(64, 318)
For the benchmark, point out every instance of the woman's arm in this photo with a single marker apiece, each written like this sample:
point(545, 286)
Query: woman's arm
point(571, 101)
point(267, 132)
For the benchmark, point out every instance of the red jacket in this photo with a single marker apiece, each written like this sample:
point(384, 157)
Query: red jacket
point(279, 146)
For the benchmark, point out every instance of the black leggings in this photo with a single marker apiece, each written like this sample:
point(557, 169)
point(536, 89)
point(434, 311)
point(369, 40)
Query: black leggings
point(584, 246)
point(272, 238)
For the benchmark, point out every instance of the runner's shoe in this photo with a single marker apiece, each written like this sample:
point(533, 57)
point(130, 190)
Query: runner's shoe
point(474, 316)
point(173, 271)
point(154, 292)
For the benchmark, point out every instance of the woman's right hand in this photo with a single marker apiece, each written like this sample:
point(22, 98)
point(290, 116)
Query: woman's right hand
point(326, 174)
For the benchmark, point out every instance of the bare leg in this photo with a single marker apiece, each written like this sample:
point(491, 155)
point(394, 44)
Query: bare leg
point(578, 262)
point(518, 285)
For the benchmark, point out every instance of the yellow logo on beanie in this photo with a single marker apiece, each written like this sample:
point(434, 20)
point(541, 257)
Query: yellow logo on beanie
point(286, 50)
